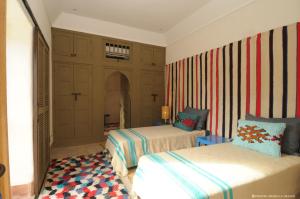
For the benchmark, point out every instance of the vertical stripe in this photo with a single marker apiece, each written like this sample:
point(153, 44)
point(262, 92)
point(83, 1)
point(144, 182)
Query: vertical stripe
point(176, 92)
point(201, 79)
point(211, 90)
point(188, 82)
point(168, 87)
point(224, 91)
point(278, 82)
point(206, 80)
point(179, 74)
point(217, 93)
point(271, 83)
point(197, 83)
point(192, 77)
point(243, 78)
point(248, 76)
point(265, 75)
point(258, 75)
point(172, 93)
point(239, 78)
point(298, 71)
point(231, 89)
point(292, 70)
point(183, 79)
point(284, 71)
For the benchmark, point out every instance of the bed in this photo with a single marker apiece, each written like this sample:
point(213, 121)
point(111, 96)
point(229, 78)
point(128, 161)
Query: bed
point(126, 146)
point(217, 171)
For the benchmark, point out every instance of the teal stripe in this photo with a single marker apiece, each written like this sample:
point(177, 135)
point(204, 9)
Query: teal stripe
point(190, 188)
point(143, 139)
point(119, 151)
point(131, 146)
point(223, 185)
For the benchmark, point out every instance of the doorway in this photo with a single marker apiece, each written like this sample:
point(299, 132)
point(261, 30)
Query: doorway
point(117, 102)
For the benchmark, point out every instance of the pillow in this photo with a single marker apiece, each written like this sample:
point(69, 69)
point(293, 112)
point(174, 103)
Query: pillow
point(291, 136)
point(201, 124)
point(186, 121)
point(263, 137)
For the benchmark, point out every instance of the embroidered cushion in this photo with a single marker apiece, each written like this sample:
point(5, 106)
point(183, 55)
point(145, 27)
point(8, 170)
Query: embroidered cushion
point(186, 121)
point(201, 124)
point(291, 136)
point(263, 137)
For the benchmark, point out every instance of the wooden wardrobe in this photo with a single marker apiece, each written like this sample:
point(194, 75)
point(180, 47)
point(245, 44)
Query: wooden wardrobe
point(80, 71)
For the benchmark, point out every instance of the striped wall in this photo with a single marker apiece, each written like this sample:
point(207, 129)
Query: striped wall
point(258, 75)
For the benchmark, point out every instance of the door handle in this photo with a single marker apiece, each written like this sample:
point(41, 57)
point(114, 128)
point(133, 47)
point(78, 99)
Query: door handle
point(76, 95)
point(154, 97)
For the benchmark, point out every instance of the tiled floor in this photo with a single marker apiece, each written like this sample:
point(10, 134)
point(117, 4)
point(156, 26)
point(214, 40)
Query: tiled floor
point(63, 152)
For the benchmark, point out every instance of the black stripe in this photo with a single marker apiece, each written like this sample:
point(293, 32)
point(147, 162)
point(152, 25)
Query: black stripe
point(206, 80)
point(239, 77)
point(231, 89)
point(224, 91)
point(200, 81)
point(172, 108)
point(176, 83)
point(188, 81)
point(271, 60)
point(192, 77)
point(285, 71)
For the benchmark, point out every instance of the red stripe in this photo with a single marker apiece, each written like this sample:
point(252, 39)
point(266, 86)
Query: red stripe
point(211, 89)
point(178, 103)
point(183, 75)
point(298, 71)
point(217, 92)
point(197, 81)
point(168, 88)
point(248, 77)
point(258, 75)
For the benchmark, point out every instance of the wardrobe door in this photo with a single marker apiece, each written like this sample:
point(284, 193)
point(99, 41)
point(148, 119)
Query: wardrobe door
point(152, 95)
point(146, 99)
point(159, 93)
point(159, 57)
point(82, 100)
point(63, 101)
point(63, 43)
point(147, 55)
point(82, 48)
point(41, 111)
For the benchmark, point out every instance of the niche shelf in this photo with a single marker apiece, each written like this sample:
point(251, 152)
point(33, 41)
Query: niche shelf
point(117, 51)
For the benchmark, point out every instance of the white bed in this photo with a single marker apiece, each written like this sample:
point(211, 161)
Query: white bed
point(217, 171)
point(126, 146)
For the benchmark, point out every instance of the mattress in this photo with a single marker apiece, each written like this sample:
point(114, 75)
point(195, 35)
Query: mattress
point(217, 171)
point(126, 146)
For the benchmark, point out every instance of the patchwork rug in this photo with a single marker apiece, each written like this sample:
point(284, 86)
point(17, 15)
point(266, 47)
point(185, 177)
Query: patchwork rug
point(87, 177)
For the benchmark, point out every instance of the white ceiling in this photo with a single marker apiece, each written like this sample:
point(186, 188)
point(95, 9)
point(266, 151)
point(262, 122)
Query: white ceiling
point(152, 15)
point(157, 22)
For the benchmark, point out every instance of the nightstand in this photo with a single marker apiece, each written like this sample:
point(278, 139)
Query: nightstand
point(211, 139)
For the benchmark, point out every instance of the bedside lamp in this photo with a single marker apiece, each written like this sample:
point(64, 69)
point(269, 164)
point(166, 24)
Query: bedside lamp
point(165, 113)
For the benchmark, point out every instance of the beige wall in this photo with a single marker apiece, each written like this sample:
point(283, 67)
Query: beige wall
point(258, 16)
point(19, 93)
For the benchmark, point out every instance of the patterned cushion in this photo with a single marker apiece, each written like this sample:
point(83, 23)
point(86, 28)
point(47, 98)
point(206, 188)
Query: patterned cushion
point(263, 137)
point(186, 121)
point(291, 136)
point(203, 113)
